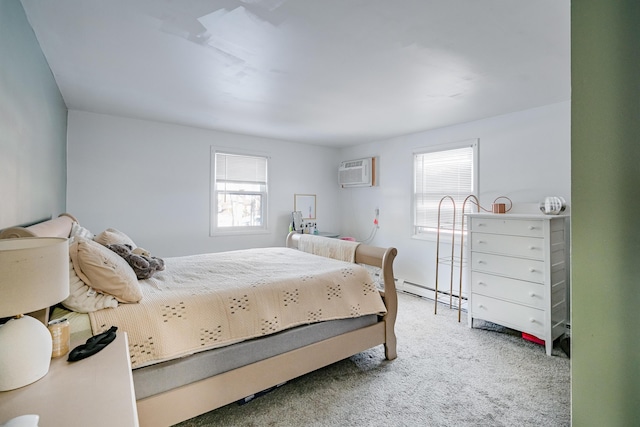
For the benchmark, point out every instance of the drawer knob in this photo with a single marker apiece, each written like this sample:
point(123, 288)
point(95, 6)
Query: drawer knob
point(480, 306)
point(481, 262)
point(481, 241)
point(532, 270)
point(532, 320)
point(531, 227)
point(532, 294)
point(532, 247)
point(481, 283)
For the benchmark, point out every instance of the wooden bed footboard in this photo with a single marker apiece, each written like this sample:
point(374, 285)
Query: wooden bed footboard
point(188, 401)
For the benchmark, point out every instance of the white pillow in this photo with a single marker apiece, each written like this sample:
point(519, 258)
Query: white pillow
point(79, 231)
point(82, 298)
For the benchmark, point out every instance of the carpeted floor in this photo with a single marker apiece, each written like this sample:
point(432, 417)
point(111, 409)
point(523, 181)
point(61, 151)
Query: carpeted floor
point(445, 375)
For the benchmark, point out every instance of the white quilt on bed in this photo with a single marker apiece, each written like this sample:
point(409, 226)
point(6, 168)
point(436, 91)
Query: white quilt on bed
point(212, 300)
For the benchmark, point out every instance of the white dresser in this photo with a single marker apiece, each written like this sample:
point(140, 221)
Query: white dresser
point(518, 268)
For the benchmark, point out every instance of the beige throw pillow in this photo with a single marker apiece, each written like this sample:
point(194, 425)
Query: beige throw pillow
point(111, 236)
point(104, 270)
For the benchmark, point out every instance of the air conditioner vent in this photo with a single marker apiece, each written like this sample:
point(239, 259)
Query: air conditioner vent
point(353, 164)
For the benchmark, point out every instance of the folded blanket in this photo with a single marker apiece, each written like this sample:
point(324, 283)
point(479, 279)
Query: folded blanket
point(341, 250)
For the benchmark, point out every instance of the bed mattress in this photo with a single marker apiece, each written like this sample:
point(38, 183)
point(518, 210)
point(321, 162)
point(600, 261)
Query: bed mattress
point(154, 379)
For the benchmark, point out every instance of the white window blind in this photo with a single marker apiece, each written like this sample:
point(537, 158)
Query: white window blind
point(451, 171)
point(239, 199)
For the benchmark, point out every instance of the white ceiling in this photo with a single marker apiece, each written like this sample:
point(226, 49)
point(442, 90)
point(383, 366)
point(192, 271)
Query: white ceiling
point(332, 72)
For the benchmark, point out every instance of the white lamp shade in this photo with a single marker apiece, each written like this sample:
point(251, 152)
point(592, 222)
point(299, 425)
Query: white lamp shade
point(34, 274)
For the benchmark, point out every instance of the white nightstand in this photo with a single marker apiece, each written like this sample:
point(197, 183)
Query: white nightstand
point(96, 391)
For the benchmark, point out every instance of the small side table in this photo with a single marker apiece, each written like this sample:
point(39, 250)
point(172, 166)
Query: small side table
point(96, 391)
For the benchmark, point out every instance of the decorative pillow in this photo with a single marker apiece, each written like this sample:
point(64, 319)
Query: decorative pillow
point(111, 236)
point(79, 231)
point(104, 270)
point(82, 298)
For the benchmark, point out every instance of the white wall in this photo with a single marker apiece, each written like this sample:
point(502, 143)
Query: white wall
point(151, 181)
point(33, 126)
point(524, 156)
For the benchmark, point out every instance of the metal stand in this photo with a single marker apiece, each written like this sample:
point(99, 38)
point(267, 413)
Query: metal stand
point(452, 260)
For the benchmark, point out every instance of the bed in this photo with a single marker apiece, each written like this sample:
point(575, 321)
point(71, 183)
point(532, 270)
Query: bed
point(223, 360)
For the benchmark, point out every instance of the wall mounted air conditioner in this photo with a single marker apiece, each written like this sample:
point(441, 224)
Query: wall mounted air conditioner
point(357, 173)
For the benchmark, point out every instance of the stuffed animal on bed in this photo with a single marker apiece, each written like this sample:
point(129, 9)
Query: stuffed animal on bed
point(143, 264)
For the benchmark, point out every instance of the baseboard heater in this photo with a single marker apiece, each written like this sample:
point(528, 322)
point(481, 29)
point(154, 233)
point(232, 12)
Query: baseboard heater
point(429, 293)
point(424, 291)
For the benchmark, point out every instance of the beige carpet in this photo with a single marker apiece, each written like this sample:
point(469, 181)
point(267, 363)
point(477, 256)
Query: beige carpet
point(445, 375)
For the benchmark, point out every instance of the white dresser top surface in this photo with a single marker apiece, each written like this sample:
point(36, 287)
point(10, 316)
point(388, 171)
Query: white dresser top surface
point(514, 216)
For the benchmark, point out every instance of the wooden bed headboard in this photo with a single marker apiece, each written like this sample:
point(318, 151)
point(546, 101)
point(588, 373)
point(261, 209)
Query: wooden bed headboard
point(57, 227)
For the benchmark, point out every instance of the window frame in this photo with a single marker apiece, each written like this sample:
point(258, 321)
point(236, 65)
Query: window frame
point(431, 232)
point(214, 229)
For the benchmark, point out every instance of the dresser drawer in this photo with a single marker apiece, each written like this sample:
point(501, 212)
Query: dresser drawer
point(528, 247)
point(517, 268)
point(515, 227)
point(519, 291)
point(515, 316)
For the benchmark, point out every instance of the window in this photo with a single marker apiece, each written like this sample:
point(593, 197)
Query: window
point(239, 193)
point(449, 170)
